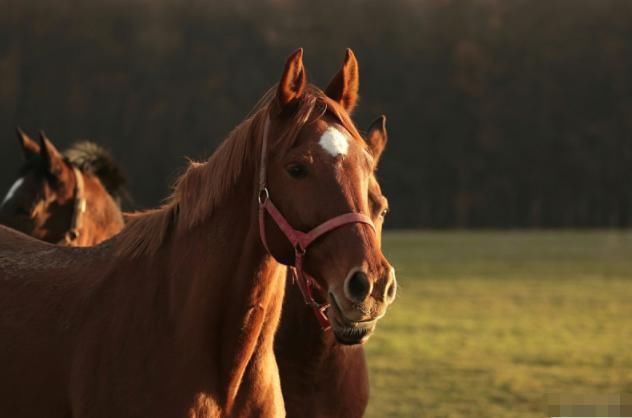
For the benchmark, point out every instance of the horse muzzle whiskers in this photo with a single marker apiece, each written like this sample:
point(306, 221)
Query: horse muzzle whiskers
point(348, 331)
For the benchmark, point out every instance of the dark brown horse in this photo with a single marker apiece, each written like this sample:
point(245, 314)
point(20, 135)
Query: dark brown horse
point(175, 316)
point(319, 376)
point(70, 198)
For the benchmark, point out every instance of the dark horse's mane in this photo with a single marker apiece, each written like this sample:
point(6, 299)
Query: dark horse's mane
point(94, 159)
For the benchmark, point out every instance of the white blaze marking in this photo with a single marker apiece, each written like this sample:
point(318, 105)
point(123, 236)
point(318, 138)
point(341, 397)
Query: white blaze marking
point(334, 142)
point(12, 190)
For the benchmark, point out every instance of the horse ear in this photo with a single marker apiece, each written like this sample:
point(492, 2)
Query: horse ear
point(293, 80)
point(343, 88)
point(51, 158)
point(377, 137)
point(30, 148)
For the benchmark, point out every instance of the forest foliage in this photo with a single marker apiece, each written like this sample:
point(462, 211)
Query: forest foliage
point(500, 113)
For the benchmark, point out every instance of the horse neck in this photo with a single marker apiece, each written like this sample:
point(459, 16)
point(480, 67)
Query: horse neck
point(306, 353)
point(300, 338)
point(221, 258)
point(225, 288)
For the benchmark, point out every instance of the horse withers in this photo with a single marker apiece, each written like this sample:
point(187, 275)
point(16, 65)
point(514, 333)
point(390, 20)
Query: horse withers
point(71, 198)
point(175, 316)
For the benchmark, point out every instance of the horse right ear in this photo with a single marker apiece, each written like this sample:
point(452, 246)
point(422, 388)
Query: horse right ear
point(29, 147)
point(343, 88)
point(377, 137)
point(293, 80)
point(52, 159)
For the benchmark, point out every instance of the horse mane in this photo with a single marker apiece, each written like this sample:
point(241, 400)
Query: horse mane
point(186, 207)
point(94, 159)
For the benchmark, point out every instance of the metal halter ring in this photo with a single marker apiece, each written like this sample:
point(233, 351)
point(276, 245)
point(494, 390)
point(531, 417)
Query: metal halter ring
point(263, 196)
point(298, 248)
point(72, 234)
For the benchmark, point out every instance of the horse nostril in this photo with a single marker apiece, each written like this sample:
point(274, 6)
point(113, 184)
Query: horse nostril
point(390, 291)
point(358, 286)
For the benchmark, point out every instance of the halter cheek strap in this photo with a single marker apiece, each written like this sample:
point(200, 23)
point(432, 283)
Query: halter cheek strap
point(300, 240)
point(79, 209)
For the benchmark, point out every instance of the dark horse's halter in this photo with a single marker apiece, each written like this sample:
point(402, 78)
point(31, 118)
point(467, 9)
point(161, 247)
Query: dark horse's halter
point(299, 240)
point(79, 209)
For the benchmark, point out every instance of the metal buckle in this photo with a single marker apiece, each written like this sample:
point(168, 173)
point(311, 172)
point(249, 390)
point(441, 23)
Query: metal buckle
point(263, 196)
point(298, 249)
point(72, 234)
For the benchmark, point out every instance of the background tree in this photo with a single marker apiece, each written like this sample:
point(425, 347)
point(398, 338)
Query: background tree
point(501, 113)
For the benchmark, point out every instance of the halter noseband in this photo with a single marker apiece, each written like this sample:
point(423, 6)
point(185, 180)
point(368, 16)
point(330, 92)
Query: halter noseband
point(79, 209)
point(300, 240)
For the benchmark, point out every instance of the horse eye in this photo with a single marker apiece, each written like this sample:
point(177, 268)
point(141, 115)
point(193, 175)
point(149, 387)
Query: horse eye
point(297, 171)
point(384, 212)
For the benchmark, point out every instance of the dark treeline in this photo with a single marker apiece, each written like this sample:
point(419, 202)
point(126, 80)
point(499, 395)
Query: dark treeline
point(503, 113)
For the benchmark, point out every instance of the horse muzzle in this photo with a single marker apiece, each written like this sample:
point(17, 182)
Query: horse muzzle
point(347, 331)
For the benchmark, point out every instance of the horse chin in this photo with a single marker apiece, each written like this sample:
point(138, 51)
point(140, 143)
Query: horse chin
point(348, 332)
point(352, 336)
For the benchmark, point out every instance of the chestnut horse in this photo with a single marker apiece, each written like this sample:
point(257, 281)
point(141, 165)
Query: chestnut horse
point(319, 376)
point(70, 198)
point(175, 316)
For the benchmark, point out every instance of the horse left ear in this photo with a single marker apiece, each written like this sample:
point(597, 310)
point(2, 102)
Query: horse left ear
point(377, 137)
point(293, 80)
point(29, 147)
point(343, 88)
point(51, 158)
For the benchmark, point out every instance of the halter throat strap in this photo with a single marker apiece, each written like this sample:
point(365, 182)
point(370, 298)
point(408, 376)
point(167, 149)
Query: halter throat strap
point(300, 240)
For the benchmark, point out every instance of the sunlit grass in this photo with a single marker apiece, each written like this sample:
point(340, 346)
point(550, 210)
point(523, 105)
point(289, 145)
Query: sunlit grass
point(492, 324)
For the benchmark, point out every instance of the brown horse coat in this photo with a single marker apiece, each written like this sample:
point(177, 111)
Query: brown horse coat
point(175, 316)
point(172, 317)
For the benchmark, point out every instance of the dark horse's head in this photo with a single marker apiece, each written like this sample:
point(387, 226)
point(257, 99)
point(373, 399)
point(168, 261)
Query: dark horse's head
point(55, 192)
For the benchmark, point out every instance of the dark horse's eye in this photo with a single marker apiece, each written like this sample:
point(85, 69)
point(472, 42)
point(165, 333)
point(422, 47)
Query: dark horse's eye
point(22, 212)
point(297, 171)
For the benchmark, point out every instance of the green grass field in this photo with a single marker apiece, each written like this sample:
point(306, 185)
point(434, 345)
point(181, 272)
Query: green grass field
point(501, 324)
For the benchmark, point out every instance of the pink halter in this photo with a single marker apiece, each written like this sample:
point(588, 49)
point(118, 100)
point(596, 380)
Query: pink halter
point(299, 240)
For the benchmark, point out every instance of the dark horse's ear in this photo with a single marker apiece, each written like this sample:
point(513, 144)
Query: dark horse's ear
point(293, 80)
point(29, 147)
point(343, 88)
point(377, 137)
point(51, 158)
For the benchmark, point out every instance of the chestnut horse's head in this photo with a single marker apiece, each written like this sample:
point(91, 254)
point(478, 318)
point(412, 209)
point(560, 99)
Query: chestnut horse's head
point(326, 169)
point(43, 201)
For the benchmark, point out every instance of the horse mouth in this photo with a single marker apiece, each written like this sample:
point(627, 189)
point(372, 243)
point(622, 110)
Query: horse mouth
point(348, 332)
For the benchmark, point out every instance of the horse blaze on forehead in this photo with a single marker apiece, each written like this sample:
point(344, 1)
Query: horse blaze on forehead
point(334, 142)
point(14, 188)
